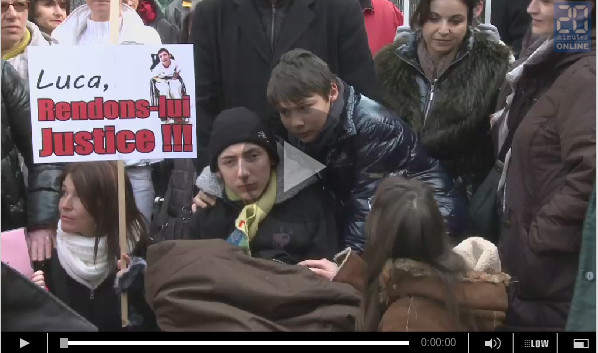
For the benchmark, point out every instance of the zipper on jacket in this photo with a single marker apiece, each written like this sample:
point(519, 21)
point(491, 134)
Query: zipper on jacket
point(430, 99)
point(91, 294)
point(432, 84)
point(272, 27)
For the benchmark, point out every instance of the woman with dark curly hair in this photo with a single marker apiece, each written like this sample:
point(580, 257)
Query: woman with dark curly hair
point(443, 76)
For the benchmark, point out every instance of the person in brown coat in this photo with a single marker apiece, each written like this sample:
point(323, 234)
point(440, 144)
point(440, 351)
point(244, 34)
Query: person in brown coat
point(546, 134)
point(413, 281)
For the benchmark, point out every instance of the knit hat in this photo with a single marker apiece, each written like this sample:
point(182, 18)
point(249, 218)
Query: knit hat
point(238, 125)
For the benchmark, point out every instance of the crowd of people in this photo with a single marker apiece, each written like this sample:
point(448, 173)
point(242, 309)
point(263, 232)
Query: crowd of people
point(457, 194)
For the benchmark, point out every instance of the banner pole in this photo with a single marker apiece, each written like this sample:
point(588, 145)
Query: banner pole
point(122, 213)
point(406, 12)
point(114, 21)
point(487, 11)
point(122, 236)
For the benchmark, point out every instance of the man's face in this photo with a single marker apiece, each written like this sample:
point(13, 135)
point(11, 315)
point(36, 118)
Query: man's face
point(164, 58)
point(245, 170)
point(14, 18)
point(307, 119)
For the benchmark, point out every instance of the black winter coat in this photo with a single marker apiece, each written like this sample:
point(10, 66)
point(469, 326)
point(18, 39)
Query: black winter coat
point(369, 143)
point(452, 114)
point(234, 58)
point(300, 226)
point(102, 305)
point(38, 207)
point(512, 21)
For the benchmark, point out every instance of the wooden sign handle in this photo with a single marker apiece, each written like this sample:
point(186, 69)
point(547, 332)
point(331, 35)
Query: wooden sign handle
point(122, 213)
point(122, 235)
point(114, 21)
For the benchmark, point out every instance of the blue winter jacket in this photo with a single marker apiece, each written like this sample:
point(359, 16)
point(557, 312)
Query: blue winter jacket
point(368, 143)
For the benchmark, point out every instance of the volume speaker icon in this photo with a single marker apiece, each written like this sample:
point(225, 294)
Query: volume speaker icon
point(493, 343)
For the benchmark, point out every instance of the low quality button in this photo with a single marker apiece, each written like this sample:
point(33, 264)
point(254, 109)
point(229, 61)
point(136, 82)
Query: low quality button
point(590, 276)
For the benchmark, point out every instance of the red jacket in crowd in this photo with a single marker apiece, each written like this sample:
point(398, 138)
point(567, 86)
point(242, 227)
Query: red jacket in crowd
point(381, 18)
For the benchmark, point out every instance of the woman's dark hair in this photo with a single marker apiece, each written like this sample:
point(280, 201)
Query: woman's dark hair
point(96, 185)
point(33, 13)
point(423, 10)
point(405, 222)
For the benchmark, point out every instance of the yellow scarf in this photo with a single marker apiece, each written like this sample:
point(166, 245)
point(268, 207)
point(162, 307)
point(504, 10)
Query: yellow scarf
point(248, 221)
point(19, 48)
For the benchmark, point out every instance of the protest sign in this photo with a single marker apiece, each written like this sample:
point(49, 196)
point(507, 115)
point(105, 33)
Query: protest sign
point(112, 102)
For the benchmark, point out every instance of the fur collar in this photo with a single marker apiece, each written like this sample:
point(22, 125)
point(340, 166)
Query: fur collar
point(464, 97)
point(406, 47)
point(420, 269)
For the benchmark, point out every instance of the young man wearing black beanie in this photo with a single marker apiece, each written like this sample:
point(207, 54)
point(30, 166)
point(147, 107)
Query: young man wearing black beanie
point(251, 209)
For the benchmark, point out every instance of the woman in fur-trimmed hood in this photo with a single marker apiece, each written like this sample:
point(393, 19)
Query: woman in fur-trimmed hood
point(413, 280)
point(443, 77)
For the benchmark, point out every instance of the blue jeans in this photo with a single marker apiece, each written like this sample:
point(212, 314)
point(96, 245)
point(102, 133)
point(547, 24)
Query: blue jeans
point(143, 189)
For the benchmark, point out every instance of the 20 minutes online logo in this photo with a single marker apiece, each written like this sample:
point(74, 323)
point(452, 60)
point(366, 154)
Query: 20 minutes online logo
point(572, 27)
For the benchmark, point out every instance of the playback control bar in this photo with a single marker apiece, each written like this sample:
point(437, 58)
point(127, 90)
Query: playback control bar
point(489, 342)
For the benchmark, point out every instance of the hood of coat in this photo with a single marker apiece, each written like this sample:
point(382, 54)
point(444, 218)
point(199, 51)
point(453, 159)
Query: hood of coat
point(132, 30)
point(475, 290)
point(210, 182)
point(549, 58)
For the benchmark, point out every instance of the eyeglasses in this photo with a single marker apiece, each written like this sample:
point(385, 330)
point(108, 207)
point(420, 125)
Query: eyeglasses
point(19, 6)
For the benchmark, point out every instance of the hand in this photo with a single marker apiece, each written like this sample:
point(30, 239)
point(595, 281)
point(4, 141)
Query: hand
point(322, 267)
point(38, 278)
point(41, 242)
point(202, 200)
point(123, 264)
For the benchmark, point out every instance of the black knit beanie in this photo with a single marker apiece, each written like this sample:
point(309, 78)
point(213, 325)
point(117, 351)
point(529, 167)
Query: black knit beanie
point(238, 125)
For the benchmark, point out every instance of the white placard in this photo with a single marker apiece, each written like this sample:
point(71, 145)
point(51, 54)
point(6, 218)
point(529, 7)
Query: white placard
point(111, 102)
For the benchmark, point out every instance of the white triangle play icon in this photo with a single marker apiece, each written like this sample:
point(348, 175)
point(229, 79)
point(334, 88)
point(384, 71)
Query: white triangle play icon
point(298, 166)
point(22, 343)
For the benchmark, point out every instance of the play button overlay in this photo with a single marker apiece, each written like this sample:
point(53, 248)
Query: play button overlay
point(22, 343)
point(298, 166)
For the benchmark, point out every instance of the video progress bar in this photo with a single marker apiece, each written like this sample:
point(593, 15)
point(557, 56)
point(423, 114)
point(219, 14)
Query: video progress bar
point(65, 343)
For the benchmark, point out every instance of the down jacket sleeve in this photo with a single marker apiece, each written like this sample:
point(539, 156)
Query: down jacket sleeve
point(385, 144)
point(44, 179)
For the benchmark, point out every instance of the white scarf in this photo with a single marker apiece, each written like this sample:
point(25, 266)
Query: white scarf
point(75, 253)
point(501, 117)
